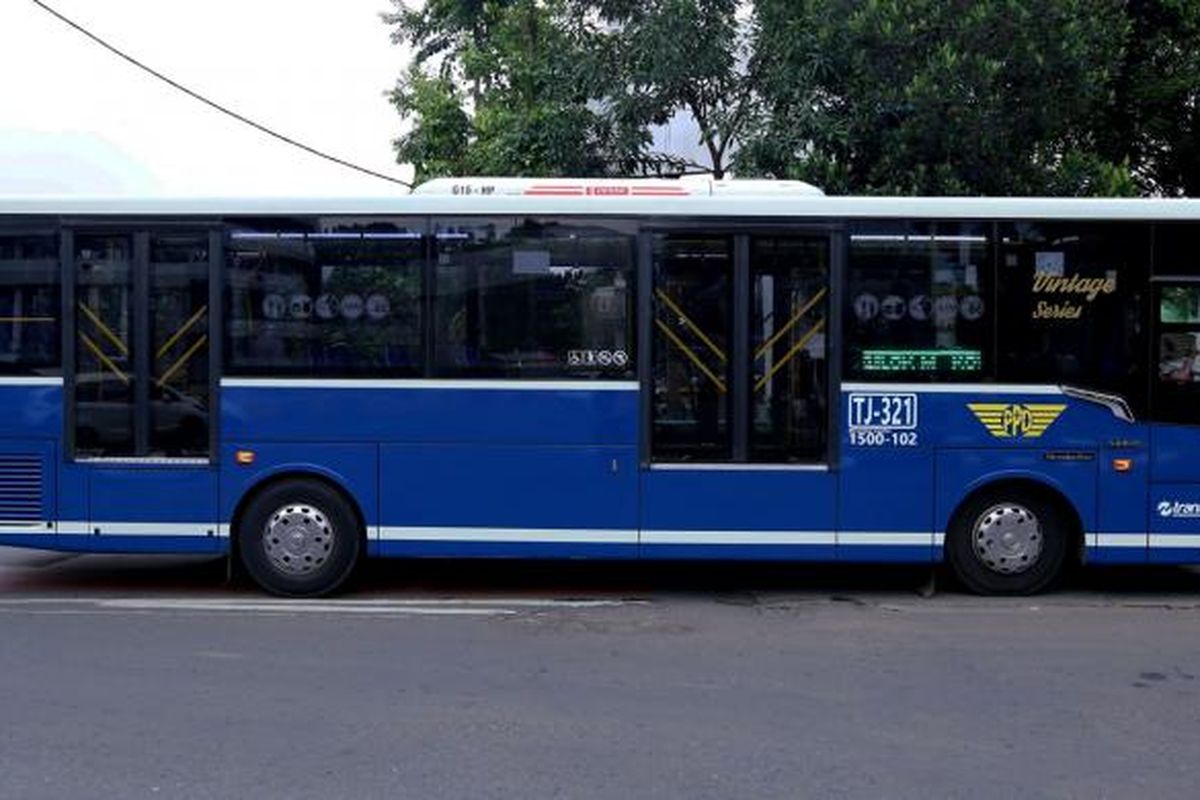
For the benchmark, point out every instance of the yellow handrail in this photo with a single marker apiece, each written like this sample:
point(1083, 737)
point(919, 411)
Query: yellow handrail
point(103, 359)
point(104, 329)
point(177, 335)
point(761, 382)
point(183, 359)
point(765, 346)
point(670, 334)
point(686, 321)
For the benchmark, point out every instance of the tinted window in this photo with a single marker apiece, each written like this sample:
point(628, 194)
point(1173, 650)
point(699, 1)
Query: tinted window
point(179, 341)
point(1177, 249)
point(788, 314)
point(1176, 385)
point(105, 377)
point(919, 304)
point(29, 304)
point(335, 296)
point(524, 298)
point(1072, 306)
point(693, 335)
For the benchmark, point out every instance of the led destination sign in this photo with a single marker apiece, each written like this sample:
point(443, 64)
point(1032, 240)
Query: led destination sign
point(939, 361)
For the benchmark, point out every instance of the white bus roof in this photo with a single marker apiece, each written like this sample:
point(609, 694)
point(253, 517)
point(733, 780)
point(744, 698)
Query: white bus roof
point(633, 197)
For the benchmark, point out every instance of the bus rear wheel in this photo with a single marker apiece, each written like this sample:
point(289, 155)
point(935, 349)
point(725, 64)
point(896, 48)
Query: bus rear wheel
point(299, 538)
point(1008, 543)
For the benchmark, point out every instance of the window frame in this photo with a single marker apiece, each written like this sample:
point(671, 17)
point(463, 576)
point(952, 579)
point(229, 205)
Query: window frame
point(50, 229)
point(308, 224)
point(435, 370)
point(835, 230)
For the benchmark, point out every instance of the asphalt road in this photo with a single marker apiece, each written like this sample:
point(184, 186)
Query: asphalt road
point(135, 677)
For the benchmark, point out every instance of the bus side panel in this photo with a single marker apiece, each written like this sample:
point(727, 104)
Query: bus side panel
point(960, 472)
point(500, 500)
point(400, 413)
point(757, 514)
point(1174, 507)
point(152, 508)
point(886, 505)
point(28, 492)
point(353, 467)
point(1120, 535)
point(30, 427)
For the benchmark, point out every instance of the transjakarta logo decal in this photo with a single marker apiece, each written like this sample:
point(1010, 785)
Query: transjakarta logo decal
point(1174, 508)
point(1016, 420)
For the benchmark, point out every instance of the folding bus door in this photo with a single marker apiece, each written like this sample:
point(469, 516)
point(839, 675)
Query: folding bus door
point(140, 388)
point(737, 396)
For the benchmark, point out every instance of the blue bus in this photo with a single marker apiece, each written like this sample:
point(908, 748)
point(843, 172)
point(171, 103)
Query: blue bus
point(604, 369)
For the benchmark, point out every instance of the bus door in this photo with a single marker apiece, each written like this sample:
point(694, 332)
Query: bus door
point(139, 370)
point(736, 395)
point(1174, 507)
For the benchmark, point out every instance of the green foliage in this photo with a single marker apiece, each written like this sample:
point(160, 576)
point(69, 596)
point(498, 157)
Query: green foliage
point(937, 97)
point(521, 84)
point(1154, 120)
point(1000, 97)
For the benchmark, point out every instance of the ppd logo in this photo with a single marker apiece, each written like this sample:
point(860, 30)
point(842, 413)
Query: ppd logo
point(1016, 420)
point(1178, 510)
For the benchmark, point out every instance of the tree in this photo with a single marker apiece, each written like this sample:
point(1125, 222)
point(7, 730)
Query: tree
point(938, 96)
point(1154, 119)
point(508, 87)
point(691, 57)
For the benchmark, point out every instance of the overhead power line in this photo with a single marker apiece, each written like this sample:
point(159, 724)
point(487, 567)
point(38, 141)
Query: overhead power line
point(215, 105)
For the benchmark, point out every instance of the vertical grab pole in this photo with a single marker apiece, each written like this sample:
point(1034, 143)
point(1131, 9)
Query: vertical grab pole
point(644, 316)
point(740, 352)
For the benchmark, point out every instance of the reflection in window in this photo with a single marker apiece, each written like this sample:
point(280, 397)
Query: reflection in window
point(338, 297)
point(1176, 393)
point(693, 287)
point(104, 346)
point(179, 380)
point(788, 319)
point(1072, 300)
point(534, 298)
point(29, 304)
point(919, 301)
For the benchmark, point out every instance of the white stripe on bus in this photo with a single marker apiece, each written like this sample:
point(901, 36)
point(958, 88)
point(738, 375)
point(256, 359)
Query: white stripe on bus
point(416, 383)
point(955, 388)
point(198, 529)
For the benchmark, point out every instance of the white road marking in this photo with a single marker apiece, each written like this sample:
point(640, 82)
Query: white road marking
point(440, 606)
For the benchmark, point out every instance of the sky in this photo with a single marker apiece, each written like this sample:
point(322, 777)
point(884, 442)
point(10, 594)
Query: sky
point(75, 119)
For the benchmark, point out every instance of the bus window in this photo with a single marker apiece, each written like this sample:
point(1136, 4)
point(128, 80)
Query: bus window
point(178, 320)
point(1073, 306)
point(29, 304)
point(525, 298)
point(788, 324)
point(693, 307)
point(1175, 391)
point(919, 303)
point(105, 375)
point(333, 297)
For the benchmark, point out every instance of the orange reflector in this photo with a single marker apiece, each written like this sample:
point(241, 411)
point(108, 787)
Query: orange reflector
point(1122, 464)
point(244, 457)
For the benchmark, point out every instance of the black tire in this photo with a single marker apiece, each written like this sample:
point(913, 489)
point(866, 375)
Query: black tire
point(981, 562)
point(322, 545)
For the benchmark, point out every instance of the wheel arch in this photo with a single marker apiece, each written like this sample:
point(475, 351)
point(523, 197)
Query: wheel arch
point(1023, 485)
point(284, 475)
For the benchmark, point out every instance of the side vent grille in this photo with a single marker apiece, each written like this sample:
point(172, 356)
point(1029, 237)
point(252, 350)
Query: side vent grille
point(20, 489)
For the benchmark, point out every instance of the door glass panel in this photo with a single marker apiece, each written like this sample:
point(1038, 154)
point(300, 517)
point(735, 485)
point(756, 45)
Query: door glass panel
point(693, 280)
point(788, 319)
point(179, 316)
point(104, 374)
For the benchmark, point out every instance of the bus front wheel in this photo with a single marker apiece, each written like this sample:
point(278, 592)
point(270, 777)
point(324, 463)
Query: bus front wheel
point(1008, 543)
point(299, 538)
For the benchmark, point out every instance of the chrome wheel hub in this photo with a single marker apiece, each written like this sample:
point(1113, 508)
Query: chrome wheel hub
point(298, 539)
point(1007, 538)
